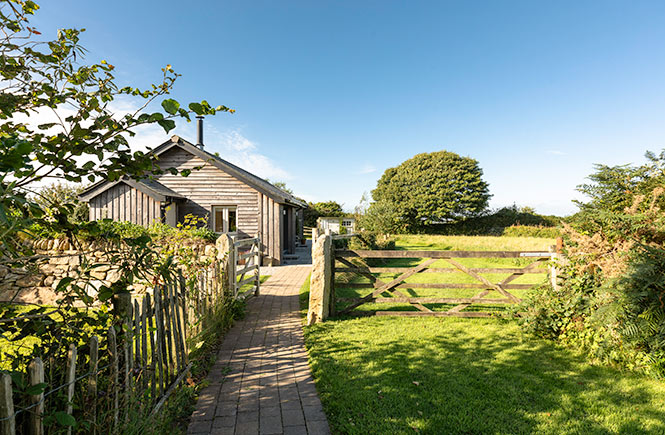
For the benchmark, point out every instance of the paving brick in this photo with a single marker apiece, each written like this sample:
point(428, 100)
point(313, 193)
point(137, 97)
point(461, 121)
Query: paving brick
point(293, 417)
point(247, 428)
point(269, 411)
point(295, 430)
point(246, 416)
point(199, 426)
point(318, 427)
point(261, 382)
point(314, 413)
point(224, 421)
point(270, 425)
point(226, 408)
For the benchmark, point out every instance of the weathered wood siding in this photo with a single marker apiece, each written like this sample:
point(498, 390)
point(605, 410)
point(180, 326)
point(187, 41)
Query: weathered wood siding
point(207, 187)
point(211, 186)
point(124, 203)
point(269, 233)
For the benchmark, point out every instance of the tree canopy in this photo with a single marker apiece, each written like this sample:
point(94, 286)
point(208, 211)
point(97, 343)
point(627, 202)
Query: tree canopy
point(429, 188)
point(84, 140)
point(316, 210)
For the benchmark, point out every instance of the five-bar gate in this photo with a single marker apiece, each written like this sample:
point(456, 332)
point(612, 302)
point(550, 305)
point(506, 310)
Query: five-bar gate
point(360, 263)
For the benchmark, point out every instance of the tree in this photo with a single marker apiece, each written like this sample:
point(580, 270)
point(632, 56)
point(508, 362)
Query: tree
point(322, 209)
point(84, 141)
point(429, 188)
point(280, 185)
point(57, 195)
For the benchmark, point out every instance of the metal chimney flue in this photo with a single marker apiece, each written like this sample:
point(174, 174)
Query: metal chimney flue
point(199, 131)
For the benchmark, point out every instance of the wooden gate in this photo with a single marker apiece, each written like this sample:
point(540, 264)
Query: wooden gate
point(245, 257)
point(354, 264)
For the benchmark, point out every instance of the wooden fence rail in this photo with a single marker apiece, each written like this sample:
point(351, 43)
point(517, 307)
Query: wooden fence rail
point(354, 263)
point(245, 260)
point(141, 360)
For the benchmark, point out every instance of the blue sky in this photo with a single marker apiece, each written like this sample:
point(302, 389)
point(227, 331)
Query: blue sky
point(330, 94)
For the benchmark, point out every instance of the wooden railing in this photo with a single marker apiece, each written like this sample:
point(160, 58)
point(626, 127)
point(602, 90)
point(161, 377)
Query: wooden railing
point(245, 259)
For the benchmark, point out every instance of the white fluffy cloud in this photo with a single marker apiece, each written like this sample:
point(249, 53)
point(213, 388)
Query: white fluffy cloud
point(231, 145)
point(236, 148)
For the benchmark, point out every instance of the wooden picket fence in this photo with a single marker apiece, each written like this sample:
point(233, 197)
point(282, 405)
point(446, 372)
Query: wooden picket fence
point(131, 371)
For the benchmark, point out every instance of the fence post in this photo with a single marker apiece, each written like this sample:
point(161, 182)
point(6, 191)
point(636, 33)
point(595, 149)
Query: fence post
point(227, 260)
point(92, 382)
point(556, 258)
point(71, 380)
point(36, 376)
point(321, 281)
point(257, 262)
point(7, 422)
point(315, 235)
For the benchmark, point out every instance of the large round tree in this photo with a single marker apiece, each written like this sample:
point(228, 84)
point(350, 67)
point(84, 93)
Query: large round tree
point(430, 188)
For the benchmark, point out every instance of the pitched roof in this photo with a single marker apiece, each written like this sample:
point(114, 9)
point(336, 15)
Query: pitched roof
point(246, 177)
point(150, 187)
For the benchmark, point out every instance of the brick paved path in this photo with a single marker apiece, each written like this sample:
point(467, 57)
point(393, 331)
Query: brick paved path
point(261, 382)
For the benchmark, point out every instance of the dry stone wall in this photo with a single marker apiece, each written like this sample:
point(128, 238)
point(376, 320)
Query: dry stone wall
point(37, 284)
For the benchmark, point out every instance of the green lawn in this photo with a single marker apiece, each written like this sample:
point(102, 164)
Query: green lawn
point(469, 376)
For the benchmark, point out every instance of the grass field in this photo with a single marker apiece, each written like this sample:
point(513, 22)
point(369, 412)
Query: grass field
point(469, 376)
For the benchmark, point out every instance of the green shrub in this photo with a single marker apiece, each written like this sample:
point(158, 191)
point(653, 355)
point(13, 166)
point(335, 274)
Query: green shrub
point(371, 241)
point(532, 231)
point(496, 223)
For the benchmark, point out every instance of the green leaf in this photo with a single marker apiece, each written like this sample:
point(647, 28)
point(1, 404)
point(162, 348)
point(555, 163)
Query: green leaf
point(171, 106)
point(64, 282)
point(36, 389)
point(65, 419)
point(167, 124)
point(196, 108)
point(105, 293)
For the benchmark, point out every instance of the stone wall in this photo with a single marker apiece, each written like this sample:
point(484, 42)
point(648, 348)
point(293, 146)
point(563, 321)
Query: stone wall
point(38, 283)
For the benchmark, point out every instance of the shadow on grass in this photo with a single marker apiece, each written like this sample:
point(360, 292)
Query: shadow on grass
point(387, 375)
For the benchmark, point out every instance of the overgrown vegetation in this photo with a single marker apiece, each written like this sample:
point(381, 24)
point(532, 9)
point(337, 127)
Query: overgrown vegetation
point(612, 298)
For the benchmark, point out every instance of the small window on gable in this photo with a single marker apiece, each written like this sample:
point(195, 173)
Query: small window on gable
point(224, 219)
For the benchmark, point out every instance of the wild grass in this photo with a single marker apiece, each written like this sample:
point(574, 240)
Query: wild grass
point(469, 376)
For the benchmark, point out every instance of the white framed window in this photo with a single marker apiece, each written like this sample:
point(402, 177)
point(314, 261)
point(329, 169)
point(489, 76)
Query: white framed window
point(347, 223)
point(224, 219)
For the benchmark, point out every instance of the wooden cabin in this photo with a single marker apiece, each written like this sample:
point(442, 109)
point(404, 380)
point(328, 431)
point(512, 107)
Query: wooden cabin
point(231, 198)
point(337, 225)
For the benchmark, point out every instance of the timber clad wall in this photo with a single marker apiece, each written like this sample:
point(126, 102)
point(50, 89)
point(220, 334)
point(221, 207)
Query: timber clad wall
point(211, 186)
point(269, 229)
point(124, 203)
point(207, 187)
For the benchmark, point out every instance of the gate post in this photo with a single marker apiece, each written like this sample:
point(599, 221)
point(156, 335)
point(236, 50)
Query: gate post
point(556, 259)
point(321, 281)
point(227, 261)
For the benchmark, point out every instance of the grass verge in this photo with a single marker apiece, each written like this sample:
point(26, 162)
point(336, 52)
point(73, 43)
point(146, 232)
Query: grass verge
point(469, 376)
